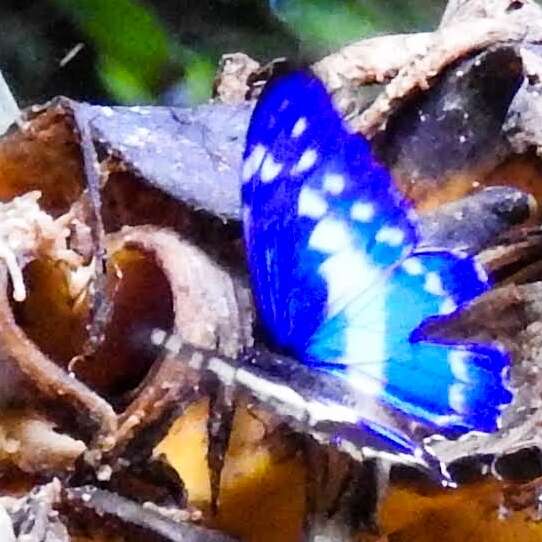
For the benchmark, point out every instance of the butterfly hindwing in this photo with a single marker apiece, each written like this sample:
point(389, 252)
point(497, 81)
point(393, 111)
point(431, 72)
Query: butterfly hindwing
point(454, 387)
point(336, 276)
point(458, 385)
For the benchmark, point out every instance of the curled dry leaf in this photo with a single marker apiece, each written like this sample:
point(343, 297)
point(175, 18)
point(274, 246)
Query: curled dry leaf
point(204, 306)
point(463, 127)
point(28, 233)
point(375, 60)
point(451, 44)
point(53, 373)
point(218, 324)
point(44, 155)
point(47, 377)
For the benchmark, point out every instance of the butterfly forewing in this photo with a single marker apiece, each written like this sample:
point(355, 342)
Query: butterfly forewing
point(325, 225)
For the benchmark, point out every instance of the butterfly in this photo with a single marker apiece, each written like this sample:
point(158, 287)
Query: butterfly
point(339, 278)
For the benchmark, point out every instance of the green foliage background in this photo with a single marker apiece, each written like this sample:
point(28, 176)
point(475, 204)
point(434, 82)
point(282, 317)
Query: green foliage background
point(148, 51)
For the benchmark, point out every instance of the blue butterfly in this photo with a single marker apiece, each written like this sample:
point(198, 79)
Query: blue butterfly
point(339, 281)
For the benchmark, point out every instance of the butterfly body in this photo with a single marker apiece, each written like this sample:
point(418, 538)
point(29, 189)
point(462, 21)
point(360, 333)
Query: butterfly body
point(338, 280)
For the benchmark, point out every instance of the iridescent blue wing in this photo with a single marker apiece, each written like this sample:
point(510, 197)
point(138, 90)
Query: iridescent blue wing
point(314, 200)
point(454, 387)
point(336, 275)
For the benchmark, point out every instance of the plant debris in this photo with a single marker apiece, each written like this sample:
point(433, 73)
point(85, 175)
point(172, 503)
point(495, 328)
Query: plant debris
point(118, 221)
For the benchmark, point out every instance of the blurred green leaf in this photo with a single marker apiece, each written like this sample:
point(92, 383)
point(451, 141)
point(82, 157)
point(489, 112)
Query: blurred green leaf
point(198, 79)
point(133, 47)
point(138, 59)
point(333, 23)
point(326, 24)
point(122, 83)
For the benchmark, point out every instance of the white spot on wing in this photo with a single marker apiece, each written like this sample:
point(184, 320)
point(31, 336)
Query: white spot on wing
point(447, 306)
point(270, 169)
point(330, 236)
point(364, 212)
point(433, 284)
point(158, 337)
point(390, 235)
point(412, 266)
point(354, 288)
point(252, 162)
point(458, 364)
point(334, 183)
point(307, 160)
point(456, 397)
point(347, 273)
point(311, 203)
point(299, 127)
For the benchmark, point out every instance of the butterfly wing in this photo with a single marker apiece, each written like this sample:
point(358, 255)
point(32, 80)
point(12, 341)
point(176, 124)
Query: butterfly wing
point(314, 200)
point(455, 387)
point(336, 276)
